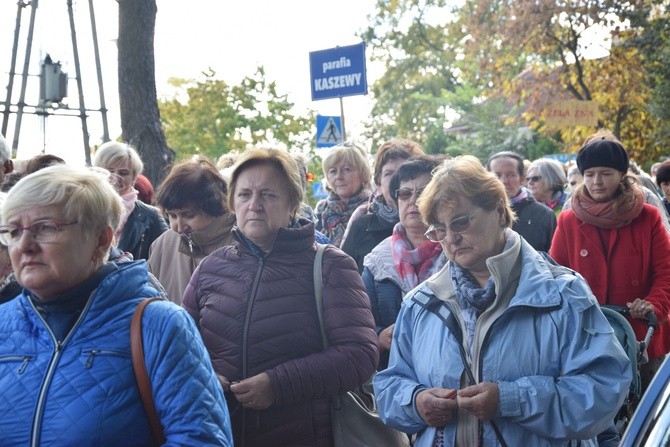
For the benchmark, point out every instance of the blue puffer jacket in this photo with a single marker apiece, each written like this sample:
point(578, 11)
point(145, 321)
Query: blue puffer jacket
point(560, 371)
point(82, 392)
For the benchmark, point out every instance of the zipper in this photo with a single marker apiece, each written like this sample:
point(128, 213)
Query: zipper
point(93, 352)
point(24, 359)
point(39, 409)
point(245, 336)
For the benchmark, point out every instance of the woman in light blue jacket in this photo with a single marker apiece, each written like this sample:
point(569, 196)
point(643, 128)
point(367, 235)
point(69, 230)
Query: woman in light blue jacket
point(501, 347)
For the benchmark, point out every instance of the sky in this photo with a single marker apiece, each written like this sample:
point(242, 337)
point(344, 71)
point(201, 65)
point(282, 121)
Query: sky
point(232, 37)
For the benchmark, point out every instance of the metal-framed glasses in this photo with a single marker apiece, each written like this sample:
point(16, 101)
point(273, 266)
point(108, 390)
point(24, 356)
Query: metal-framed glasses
point(42, 231)
point(437, 233)
point(405, 194)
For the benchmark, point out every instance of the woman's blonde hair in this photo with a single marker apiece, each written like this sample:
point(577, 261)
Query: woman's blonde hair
point(351, 154)
point(278, 159)
point(463, 177)
point(84, 195)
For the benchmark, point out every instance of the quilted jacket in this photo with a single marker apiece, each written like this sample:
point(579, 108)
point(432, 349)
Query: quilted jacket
point(82, 391)
point(257, 313)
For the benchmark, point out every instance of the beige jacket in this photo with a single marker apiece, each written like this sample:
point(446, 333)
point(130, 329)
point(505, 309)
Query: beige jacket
point(174, 257)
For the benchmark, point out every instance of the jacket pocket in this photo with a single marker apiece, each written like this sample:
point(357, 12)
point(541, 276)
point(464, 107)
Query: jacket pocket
point(21, 361)
point(89, 355)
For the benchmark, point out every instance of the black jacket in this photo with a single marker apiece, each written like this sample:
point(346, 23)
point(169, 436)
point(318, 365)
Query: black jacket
point(535, 222)
point(142, 228)
point(366, 233)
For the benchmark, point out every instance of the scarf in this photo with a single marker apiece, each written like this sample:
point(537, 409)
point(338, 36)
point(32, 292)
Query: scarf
point(557, 201)
point(472, 299)
point(523, 195)
point(615, 213)
point(334, 214)
point(414, 265)
point(379, 208)
point(129, 200)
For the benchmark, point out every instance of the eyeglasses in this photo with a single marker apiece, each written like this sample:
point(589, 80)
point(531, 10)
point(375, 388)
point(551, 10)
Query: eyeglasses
point(534, 179)
point(406, 193)
point(43, 231)
point(437, 233)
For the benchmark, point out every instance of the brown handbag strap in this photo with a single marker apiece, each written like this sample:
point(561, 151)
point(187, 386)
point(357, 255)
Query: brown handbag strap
point(140, 368)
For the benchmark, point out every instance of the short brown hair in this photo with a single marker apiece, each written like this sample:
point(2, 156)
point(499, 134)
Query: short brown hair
point(394, 149)
point(463, 177)
point(278, 159)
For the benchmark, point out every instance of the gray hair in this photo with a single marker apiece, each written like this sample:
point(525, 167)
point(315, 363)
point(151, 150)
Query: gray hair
point(114, 152)
point(84, 195)
point(551, 171)
point(5, 152)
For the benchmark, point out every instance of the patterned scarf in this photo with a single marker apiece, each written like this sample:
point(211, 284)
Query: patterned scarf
point(615, 213)
point(414, 265)
point(334, 213)
point(472, 299)
point(379, 208)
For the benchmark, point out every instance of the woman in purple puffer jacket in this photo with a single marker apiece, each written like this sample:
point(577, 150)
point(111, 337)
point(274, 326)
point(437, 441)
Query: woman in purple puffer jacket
point(254, 304)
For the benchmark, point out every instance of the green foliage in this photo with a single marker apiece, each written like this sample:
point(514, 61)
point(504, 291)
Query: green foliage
point(211, 118)
point(498, 64)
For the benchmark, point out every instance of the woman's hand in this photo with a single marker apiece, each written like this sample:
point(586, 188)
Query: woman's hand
point(481, 400)
point(225, 383)
point(640, 308)
point(436, 406)
point(385, 338)
point(255, 392)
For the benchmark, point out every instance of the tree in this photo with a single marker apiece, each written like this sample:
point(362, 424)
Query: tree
point(140, 121)
point(212, 118)
point(519, 54)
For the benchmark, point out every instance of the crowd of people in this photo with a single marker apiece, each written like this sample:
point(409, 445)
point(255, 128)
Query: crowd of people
point(467, 294)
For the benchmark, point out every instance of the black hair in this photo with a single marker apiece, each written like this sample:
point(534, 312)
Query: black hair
point(413, 168)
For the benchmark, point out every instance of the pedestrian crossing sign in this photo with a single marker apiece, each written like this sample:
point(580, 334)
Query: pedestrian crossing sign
point(328, 131)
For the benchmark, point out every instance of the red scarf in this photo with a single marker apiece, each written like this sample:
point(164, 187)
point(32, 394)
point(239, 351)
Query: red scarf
point(615, 213)
point(414, 265)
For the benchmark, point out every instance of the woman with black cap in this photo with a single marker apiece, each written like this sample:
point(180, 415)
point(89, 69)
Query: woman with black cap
point(617, 242)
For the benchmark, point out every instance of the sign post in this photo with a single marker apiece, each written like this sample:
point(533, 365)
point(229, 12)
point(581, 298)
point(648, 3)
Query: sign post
point(338, 72)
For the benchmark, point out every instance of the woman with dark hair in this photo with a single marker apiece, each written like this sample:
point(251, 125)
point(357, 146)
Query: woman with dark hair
point(193, 196)
point(618, 243)
point(406, 258)
point(375, 222)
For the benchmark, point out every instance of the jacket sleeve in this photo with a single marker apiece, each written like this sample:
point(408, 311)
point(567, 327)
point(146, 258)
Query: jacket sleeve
point(352, 356)
point(659, 293)
point(595, 375)
point(190, 299)
point(187, 395)
point(371, 289)
point(396, 386)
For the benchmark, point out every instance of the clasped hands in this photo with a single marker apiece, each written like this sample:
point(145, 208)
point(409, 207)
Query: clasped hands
point(436, 405)
point(254, 392)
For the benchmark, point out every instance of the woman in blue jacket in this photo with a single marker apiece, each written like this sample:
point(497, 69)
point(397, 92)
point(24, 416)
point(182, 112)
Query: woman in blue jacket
point(500, 347)
point(66, 375)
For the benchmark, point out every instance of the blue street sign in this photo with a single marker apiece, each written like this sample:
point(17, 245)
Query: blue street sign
point(563, 158)
point(338, 72)
point(328, 131)
point(319, 190)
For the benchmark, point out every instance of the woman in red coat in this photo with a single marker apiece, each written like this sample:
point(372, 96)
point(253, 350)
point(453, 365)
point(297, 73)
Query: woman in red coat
point(617, 242)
